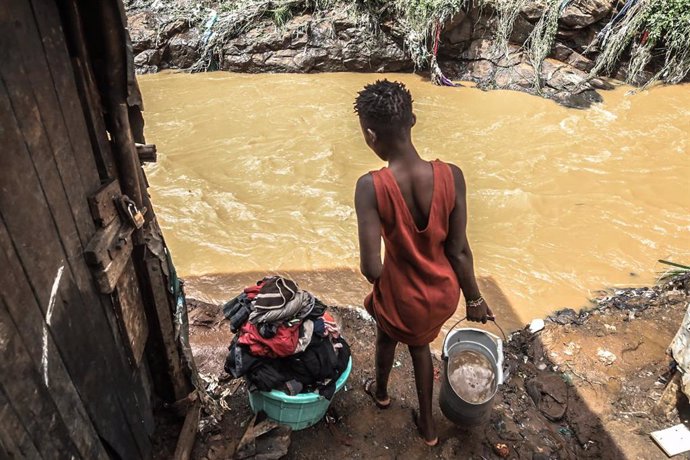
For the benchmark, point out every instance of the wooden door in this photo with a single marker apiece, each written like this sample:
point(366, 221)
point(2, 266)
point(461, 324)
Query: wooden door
point(72, 381)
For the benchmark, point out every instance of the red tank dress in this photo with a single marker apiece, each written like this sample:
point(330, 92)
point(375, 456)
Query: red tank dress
point(418, 290)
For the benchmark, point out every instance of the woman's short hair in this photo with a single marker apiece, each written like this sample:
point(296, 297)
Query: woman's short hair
point(385, 106)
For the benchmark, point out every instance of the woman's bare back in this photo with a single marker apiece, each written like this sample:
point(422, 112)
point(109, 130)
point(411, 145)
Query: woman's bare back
point(416, 184)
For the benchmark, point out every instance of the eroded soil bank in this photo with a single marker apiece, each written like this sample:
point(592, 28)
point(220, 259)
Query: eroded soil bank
point(587, 386)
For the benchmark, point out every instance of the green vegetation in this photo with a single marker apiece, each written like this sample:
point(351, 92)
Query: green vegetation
point(651, 31)
point(678, 269)
point(419, 18)
point(281, 15)
point(507, 12)
point(541, 39)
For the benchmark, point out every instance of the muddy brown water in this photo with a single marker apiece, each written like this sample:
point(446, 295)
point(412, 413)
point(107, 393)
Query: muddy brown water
point(472, 376)
point(256, 174)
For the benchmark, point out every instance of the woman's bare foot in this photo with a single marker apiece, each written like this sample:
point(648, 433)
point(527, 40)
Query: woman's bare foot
point(428, 435)
point(381, 401)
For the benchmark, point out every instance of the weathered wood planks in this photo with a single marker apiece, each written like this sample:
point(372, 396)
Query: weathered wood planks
point(43, 206)
point(75, 376)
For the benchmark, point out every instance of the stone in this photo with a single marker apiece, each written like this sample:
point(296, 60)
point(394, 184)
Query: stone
point(333, 40)
point(599, 83)
point(521, 30)
point(148, 58)
point(482, 70)
point(309, 59)
point(455, 21)
point(142, 30)
point(580, 62)
point(534, 10)
point(578, 39)
point(519, 76)
point(460, 33)
point(174, 27)
point(144, 69)
point(514, 57)
point(479, 49)
point(183, 50)
point(560, 52)
point(259, 59)
point(483, 23)
point(281, 61)
point(579, 14)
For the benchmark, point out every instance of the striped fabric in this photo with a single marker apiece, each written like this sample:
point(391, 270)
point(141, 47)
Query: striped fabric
point(275, 293)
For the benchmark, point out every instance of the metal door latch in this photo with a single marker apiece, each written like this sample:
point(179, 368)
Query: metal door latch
point(130, 211)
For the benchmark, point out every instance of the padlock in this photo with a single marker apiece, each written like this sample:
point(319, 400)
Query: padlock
point(136, 218)
point(130, 212)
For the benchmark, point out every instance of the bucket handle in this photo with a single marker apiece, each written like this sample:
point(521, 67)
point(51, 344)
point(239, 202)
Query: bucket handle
point(493, 320)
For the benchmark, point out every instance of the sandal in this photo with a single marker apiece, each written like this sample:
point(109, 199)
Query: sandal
point(433, 442)
point(368, 390)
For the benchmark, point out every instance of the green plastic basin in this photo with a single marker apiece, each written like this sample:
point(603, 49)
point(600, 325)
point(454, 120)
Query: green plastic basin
point(299, 411)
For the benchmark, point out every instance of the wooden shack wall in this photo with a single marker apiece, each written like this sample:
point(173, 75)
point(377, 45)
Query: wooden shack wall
point(74, 379)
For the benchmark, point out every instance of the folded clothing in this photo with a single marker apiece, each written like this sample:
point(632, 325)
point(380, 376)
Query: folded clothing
point(306, 331)
point(252, 291)
point(237, 311)
point(317, 368)
point(298, 307)
point(285, 339)
point(275, 293)
point(282, 344)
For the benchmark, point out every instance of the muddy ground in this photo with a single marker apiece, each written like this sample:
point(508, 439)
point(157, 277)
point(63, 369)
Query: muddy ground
point(587, 386)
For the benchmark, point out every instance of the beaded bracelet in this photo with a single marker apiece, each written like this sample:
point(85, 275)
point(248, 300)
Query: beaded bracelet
point(474, 303)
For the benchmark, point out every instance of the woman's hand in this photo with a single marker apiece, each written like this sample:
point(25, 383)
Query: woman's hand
point(480, 313)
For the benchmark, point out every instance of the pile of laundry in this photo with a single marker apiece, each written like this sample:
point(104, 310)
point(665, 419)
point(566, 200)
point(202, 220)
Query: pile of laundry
point(284, 340)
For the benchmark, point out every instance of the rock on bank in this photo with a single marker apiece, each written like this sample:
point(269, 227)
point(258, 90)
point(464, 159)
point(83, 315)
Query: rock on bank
point(481, 44)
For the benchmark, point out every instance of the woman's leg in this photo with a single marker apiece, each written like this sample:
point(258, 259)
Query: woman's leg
point(424, 379)
point(385, 354)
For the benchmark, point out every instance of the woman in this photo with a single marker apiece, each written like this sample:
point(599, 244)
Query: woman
point(420, 210)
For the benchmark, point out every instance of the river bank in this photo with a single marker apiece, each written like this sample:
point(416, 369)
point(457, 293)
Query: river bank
point(587, 386)
point(551, 49)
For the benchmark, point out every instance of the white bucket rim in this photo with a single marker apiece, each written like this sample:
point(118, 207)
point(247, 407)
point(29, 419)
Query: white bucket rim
point(497, 340)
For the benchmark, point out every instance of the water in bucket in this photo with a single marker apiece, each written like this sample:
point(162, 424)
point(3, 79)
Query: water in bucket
point(472, 376)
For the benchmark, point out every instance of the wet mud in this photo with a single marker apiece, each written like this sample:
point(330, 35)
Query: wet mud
point(565, 396)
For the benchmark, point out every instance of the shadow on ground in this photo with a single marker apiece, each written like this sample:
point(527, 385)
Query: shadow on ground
point(562, 400)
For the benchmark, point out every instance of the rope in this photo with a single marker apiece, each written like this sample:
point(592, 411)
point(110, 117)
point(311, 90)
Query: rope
point(437, 76)
point(438, 37)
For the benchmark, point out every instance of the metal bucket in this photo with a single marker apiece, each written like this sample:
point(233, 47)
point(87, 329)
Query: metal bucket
point(490, 347)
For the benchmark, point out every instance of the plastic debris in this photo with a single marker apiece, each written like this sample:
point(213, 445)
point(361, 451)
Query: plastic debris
point(680, 349)
point(362, 313)
point(565, 431)
point(673, 440)
point(502, 450)
point(536, 325)
point(606, 356)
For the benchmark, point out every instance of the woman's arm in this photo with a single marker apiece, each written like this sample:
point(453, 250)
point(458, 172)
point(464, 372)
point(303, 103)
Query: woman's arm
point(369, 228)
point(460, 255)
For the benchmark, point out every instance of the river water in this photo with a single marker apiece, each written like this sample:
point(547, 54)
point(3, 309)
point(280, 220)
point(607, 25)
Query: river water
point(256, 173)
